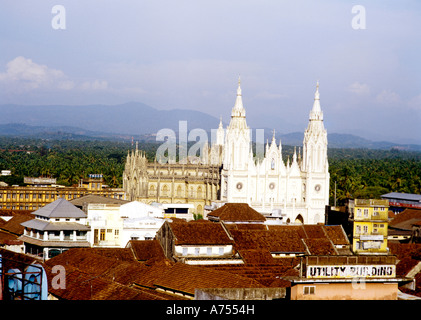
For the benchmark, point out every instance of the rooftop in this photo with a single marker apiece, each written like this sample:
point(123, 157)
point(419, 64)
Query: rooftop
point(92, 198)
point(402, 196)
point(406, 219)
point(14, 224)
point(236, 212)
point(60, 208)
point(200, 232)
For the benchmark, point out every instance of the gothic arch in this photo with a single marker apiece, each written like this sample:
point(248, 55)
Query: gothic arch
point(179, 191)
point(165, 190)
point(152, 190)
point(299, 219)
point(199, 192)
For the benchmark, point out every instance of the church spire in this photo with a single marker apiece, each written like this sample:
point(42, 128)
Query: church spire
point(238, 110)
point(316, 113)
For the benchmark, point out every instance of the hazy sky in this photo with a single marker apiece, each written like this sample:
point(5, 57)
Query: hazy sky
point(188, 54)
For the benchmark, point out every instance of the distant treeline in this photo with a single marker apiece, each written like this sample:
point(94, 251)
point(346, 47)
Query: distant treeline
point(358, 173)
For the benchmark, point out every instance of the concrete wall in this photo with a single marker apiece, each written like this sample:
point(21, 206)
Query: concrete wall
point(240, 294)
point(346, 291)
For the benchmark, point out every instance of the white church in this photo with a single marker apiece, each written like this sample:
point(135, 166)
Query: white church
point(296, 190)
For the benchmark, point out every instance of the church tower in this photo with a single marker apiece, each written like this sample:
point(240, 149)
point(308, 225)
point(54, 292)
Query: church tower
point(315, 163)
point(237, 139)
point(237, 149)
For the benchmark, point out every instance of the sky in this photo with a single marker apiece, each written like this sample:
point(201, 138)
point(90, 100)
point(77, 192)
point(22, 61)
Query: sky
point(188, 54)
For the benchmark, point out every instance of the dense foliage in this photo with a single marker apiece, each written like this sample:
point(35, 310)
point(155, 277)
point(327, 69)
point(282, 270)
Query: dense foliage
point(357, 173)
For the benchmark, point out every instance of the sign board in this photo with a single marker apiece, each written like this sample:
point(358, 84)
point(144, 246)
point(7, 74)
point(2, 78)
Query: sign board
point(372, 237)
point(351, 271)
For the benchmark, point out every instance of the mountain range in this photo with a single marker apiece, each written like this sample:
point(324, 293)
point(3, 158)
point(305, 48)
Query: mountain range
point(140, 122)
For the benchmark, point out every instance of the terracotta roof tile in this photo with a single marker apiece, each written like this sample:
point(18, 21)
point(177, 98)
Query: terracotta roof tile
point(203, 233)
point(337, 235)
point(320, 246)
point(14, 224)
point(236, 212)
point(406, 218)
point(279, 240)
point(186, 278)
point(148, 251)
point(98, 274)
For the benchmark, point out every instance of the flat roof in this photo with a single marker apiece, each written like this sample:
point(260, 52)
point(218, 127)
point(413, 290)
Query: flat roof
point(402, 196)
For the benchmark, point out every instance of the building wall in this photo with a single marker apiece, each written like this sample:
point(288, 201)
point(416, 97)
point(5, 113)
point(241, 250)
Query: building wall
point(106, 225)
point(33, 198)
point(370, 225)
point(345, 291)
point(197, 184)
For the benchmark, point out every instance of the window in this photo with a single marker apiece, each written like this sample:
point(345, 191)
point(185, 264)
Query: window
point(309, 290)
point(365, 229)
point(221, 251)
point(184, 251)
point(102, 235)
point(197, 251)
point(366, 213)
point(359, 213)
point(358, 229)
point(209, 251)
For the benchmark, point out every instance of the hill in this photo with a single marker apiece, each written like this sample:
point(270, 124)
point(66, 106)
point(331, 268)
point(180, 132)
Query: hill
point(140, 121)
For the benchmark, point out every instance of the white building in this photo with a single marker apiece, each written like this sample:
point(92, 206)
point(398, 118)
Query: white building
point(298, 190)
point(113, 225)
point(56, 227)
point(140, 221)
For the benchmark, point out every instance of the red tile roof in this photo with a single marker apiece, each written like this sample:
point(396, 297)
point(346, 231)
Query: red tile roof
point(98, 275)
point(406, 218)
point(149, 251)
point(186, 278)
point(201, 232)
point(236, 212)
point(409, 255)
point(14, 224)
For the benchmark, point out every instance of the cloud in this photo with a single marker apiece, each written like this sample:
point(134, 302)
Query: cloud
point(359, 88)
point(24, 74)
point(387, 97)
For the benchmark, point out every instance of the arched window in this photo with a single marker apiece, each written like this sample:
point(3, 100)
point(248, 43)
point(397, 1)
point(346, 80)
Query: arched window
point(199, 192)
point(179, 191)
point(299, 219)
point(165, 190)
point(152, 190)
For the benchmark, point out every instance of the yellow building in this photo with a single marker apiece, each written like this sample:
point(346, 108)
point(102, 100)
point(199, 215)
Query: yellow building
point(35, 196)
point(370, 225)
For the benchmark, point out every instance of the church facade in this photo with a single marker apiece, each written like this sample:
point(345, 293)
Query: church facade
point(296, 190)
